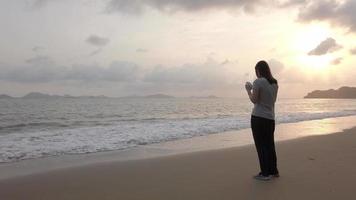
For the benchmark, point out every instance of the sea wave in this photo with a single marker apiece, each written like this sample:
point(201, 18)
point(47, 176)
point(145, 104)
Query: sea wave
point(128, 134)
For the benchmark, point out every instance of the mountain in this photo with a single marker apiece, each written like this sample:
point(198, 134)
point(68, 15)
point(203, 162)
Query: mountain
point(153, 96)
point(36, 95)
point(205, 97)
point(341, 93)
point(212, 97)
point(158, 96)
point(4, 96)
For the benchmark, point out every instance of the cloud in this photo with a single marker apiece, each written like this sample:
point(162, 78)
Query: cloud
point(125, 78)
point(40, 71)
point(95, 52)
point(37, 49)
point(97, 41)
point(327, 46)
point(290, 3)
point(353, 51)
point(139, 6)
point(141, 50)
point(338, 13)
point(39, 3)
point(336, 61)
point(225, 62)
point(287, 74)
point(40, 60)
point(207, 73)
point(118, 71)
point(276, 66)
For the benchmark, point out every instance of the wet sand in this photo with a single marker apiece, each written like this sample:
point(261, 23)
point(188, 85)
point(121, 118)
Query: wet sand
point(314, 167)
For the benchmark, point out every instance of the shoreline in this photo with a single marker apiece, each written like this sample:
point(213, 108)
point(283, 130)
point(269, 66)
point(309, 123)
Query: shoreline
point(220, 141)
point(312, 167)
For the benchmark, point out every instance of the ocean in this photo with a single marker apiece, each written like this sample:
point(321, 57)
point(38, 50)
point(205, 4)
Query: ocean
point(35, 128)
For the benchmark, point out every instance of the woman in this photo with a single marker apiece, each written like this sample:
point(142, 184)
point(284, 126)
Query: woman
point(263, 94)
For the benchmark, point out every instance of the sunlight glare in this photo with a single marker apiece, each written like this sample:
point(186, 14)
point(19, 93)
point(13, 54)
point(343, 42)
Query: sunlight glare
point(306, 39)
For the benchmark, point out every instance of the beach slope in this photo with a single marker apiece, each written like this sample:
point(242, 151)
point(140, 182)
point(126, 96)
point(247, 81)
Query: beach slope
point(315, 167)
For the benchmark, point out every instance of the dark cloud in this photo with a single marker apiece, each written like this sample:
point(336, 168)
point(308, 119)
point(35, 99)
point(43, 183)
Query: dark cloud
point(327, 46)
point(336, 61)
point(339, 13)
point(97, 41)
point(138, 6)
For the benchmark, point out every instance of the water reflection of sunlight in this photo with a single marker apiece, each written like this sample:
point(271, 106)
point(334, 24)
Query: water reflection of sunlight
point(324, 127)
point(314, 127)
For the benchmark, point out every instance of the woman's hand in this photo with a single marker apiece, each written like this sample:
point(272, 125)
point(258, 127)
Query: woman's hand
point(248, 86)
point(252, 92)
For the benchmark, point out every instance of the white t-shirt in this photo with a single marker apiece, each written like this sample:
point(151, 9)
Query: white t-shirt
point(267, 95)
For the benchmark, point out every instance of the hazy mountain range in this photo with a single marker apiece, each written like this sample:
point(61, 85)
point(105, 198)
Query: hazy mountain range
point(38, 95)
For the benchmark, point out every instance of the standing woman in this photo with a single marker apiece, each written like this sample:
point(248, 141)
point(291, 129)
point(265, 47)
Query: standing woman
point(263, 94)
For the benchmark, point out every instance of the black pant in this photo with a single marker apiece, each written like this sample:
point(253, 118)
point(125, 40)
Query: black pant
point(263, 135)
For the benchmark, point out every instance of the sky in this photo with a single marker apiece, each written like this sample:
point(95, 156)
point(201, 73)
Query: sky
point(177, 47)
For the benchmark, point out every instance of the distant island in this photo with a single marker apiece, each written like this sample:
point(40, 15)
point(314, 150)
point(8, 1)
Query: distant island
point(158, 96)
point(4, 96)
point(205, 97)
point(341, 93)
point(38, 95)
point(152, 96)
point(164, 96)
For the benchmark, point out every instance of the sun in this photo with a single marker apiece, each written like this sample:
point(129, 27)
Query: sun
point(314, 63)
point(305, 39)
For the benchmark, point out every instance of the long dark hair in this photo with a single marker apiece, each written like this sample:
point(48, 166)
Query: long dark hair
point(265, 72)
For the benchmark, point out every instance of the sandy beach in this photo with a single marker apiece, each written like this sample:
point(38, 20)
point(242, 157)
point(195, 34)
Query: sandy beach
point(314, 167)
point(178, 100)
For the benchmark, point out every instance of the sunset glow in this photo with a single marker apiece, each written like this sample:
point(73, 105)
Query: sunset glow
point(123, 48)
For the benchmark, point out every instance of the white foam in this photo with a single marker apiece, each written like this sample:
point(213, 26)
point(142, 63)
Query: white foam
point(127, 134)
